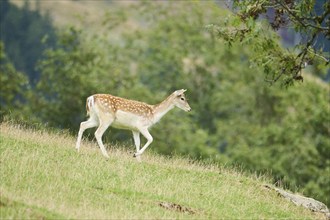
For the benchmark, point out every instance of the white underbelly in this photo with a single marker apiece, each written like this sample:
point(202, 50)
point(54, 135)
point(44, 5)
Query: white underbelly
point(126, 120)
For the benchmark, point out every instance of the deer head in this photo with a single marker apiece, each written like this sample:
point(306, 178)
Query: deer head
point(180, 100)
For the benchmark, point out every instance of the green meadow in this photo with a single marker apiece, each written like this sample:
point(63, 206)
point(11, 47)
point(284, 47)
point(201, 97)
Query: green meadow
point(43, 177)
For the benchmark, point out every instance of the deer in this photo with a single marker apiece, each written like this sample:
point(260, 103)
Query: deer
point(106, 110)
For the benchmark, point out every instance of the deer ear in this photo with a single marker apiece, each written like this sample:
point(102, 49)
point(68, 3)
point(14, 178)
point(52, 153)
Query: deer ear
point(179, 92)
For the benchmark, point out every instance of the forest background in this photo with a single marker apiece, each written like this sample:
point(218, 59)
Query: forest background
point(146, 50)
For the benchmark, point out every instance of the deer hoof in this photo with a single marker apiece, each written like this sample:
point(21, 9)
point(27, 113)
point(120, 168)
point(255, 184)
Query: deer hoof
point(136, 155)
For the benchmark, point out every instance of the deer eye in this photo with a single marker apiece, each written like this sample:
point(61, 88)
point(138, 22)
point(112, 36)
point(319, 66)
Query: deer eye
point(182, 98)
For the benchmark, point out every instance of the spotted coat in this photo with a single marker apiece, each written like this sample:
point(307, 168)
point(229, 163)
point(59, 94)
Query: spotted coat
point(112, 104)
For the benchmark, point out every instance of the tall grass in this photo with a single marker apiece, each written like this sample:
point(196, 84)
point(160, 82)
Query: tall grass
point(42, 176)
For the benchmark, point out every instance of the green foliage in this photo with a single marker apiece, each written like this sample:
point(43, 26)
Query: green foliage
point(278, 63)
point(78, 67)
point(291, 141)
point(13, 85)
point(61, 89)
point(22, 31)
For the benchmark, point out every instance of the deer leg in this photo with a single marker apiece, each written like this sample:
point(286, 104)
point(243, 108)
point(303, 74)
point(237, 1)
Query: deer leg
point(104, 124)
point(149, 138)
point(91, 122)
point(136, 137)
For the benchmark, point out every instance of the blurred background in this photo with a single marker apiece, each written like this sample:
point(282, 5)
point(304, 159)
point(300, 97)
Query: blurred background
point(54, 54)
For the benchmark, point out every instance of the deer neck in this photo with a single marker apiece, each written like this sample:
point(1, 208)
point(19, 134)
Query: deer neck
point(162, 108)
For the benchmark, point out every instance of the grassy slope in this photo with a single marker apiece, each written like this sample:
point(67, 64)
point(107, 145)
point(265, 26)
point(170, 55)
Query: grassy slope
point(42, 176)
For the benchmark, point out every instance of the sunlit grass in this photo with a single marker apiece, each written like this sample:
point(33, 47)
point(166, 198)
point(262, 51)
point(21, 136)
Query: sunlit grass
point(42, 176)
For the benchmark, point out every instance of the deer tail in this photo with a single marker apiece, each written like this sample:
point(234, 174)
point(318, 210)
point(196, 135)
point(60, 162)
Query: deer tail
point(89, 104)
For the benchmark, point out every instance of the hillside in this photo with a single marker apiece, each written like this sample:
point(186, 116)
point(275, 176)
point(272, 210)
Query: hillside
point(89, 15)
point(42, 176)
point(70, 12)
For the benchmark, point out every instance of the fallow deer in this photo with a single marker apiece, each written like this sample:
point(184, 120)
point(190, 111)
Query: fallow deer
point(106, 110)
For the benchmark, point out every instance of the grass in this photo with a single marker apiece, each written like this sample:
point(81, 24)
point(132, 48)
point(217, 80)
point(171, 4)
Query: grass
point(42, 176)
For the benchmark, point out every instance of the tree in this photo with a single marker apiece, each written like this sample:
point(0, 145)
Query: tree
point(13, 85)
point(22, 31)
point(309, 18)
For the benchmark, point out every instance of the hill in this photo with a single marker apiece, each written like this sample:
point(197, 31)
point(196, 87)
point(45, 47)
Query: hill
point(42, 176)
point(69, 12)
point(89, 15)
